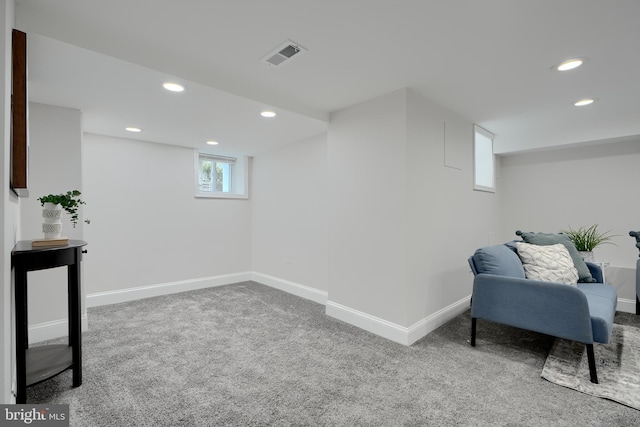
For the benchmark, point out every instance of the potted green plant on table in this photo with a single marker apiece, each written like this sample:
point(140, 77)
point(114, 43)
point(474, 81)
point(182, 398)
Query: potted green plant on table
point(587, 239)
point(53, 205)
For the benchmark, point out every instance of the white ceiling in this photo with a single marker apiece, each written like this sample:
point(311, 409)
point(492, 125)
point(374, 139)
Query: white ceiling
point(114, 94)
point(490, 61)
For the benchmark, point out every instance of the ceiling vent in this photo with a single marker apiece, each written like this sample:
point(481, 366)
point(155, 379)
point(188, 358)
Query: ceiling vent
point(283, 53)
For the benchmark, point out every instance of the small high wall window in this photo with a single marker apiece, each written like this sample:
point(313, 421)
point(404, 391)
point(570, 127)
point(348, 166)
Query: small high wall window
point(483, 160)
point(220, 177)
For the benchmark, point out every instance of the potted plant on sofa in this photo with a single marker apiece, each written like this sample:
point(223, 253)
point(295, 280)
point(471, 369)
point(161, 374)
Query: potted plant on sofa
point(587, 239)
point(53, 205)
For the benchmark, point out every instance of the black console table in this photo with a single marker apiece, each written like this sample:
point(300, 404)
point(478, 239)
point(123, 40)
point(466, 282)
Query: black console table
point(37, 364)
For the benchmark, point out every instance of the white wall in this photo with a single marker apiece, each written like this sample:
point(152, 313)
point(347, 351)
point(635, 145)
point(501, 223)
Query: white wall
point(403, 215)
point(55, 137)
point(371, 220)
point(447, 220)
point(552, 190)
point(367, 208)
point(10, 210)
point(289, 214)
point(147, 228)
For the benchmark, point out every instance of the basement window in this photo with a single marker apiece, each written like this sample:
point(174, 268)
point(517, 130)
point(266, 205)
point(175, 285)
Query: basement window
point(220, 176)
point(483, 160)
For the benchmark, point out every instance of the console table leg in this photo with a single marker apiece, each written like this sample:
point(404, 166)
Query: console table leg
point(75, 321)
point(22, 339)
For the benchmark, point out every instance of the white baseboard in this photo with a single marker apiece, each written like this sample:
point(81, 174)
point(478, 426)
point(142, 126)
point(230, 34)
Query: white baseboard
point(60, 328)
point(375, 325)
point(392, 331)
point(130, 294)
point(437, 319)
point(297, 289)
point(369, 323)
point(378, 326)
point(54, 329)
point(626, 305)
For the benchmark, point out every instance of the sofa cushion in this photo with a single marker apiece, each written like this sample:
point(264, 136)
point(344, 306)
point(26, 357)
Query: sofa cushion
point(545, 239)
point(498, 259)
point(550, 263)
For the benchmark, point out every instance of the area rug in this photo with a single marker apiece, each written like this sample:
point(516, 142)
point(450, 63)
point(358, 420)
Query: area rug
point(617, 363)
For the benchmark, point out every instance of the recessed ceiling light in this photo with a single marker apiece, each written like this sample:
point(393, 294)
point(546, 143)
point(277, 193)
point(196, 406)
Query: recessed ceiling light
point(212, 142)
point(132, 129)
point(268, 113)
point(569, 64)
point(583, 102)
point(173, 87)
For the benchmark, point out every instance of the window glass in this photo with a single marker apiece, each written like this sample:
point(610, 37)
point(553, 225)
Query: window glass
point(221, 177)
point(484, 178)
point(214, 174)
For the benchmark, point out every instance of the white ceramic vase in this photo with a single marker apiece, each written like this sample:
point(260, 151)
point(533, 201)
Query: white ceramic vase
point(52, 221)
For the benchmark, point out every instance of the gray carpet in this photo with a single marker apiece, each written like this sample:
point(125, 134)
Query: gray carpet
point(617, 364)
point(250, 355)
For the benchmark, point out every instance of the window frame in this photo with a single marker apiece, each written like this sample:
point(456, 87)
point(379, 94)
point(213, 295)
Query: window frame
point(238, 174)
point(477, 151)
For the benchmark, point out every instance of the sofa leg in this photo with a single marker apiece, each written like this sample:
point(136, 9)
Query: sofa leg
point(637, 304)
point(592, 364)
point(473, 331)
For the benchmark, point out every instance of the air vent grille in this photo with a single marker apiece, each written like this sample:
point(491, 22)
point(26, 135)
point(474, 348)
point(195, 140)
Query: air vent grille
point(283, 53)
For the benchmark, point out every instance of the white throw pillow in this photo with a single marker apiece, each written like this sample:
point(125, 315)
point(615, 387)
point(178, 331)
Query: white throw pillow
point(550, 263)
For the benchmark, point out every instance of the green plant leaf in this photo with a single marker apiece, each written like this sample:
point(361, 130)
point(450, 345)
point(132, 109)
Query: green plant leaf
point(69, 201)
point(587, 238)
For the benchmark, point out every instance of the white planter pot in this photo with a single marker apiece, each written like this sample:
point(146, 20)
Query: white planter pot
point(52, 221)
point(587, 256)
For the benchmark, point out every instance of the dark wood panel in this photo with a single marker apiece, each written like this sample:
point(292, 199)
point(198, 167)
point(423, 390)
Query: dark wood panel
point(19, 124)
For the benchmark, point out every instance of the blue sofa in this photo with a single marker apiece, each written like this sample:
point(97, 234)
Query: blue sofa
point(638, 287)
point(636, 234)
point(502, 294)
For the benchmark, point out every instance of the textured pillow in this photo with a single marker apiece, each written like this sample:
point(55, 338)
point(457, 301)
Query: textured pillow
point(498, 259)
point(545, 239)
point(551, 263)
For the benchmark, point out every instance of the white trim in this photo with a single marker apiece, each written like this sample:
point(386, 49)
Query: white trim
point(373, 324)
point(391, 331)
point(53, 329)
point(239, 180)
point(130, 294)
point(626, 305)
point(432, 322)
point(490, 136)
point(369, 323)
point(220, 195)
point(218, 159)
point(297, 289)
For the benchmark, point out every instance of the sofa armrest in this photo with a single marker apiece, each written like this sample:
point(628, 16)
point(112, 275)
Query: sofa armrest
point(549, 308)
point(596, 271)
point(638, 279)
point(638, 287)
